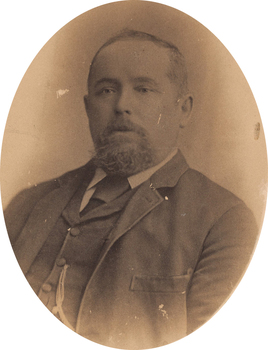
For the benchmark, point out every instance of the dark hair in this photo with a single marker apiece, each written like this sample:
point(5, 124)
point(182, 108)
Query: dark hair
point(178, 71)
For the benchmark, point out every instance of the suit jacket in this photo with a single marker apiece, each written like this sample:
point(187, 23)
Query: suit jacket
point(175, 255)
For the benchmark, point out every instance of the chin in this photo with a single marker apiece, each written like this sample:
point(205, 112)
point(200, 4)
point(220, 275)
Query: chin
point(124, 154)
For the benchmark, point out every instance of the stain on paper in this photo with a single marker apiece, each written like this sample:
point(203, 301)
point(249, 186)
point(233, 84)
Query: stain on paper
point(164, 313)
point(61, 92)
point(257, 130)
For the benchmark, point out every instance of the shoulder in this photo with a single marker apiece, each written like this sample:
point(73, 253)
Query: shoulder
point(207, 198)
point(36, 192)
point(20, 207)
point(200, 186)
point(199, 180)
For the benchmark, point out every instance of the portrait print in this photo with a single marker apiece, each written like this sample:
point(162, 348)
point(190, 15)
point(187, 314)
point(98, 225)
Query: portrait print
point(176, 161)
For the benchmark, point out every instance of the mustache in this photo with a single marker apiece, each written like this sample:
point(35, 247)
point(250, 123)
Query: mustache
point(123, 125)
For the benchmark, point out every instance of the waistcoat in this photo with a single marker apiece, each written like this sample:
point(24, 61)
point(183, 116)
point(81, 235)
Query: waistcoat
point(68, 256)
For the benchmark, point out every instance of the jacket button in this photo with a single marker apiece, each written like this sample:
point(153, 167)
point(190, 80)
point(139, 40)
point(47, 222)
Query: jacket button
point(74, 231)
point(46, 287)
point(61, 262)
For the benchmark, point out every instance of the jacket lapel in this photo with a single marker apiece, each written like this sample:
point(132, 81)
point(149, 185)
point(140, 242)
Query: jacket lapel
point(146, 198)
point(143, 201)
point(44, 216)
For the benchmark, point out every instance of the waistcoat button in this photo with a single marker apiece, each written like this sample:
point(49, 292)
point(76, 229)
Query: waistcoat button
point(61, 262)
point(74, 231)
point(46, 287)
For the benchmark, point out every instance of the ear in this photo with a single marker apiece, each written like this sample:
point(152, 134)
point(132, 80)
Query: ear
point(185, 105)
point(86, 102)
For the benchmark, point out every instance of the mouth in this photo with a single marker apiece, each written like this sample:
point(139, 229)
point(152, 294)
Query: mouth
point(122, 131)
point(127, 133)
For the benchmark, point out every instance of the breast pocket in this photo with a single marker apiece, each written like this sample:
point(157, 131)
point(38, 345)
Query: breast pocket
point(160, 284)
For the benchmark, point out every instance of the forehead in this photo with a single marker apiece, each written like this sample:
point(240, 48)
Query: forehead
point(132, 58)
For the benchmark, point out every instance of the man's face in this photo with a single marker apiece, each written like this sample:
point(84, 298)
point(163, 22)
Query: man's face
point(132, 104)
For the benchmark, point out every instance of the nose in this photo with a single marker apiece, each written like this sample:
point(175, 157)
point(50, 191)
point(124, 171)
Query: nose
point(123, 102)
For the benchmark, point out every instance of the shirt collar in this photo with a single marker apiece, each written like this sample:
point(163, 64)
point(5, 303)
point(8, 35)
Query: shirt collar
point(138, 179)
point(99, 175)
point(134, 180)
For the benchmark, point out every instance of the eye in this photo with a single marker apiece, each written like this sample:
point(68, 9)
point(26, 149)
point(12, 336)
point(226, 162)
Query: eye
point(143, 89)
point(107, 91)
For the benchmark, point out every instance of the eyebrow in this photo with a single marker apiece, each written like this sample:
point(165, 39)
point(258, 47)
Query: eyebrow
point(136, 80)
point(146, 80)
point(105, 80)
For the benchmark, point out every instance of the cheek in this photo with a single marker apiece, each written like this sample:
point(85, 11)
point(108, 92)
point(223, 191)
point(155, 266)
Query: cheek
point(96, 126)
point(166, 125)
point(163, 117)
point(99, 116)
point(152, 114)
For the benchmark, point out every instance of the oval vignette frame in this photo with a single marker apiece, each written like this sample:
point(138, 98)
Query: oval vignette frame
point(74, 339)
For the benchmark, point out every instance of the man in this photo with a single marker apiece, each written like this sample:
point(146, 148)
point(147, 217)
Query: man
point(135, 249)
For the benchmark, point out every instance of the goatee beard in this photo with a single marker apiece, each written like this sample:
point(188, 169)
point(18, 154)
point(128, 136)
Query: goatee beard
point(122, 154)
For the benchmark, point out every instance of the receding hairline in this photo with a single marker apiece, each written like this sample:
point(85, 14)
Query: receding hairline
point(178, 70)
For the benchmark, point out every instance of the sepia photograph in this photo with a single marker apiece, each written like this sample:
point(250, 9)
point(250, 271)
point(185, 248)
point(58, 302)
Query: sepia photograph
point(134, 176)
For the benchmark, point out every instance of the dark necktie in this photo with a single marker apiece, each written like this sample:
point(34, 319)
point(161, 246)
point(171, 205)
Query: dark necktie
point(108, 189)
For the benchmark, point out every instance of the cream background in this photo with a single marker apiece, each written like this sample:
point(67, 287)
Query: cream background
point(241, 328)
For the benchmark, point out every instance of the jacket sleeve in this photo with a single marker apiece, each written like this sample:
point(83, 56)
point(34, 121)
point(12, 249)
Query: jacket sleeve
point(225, 256)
